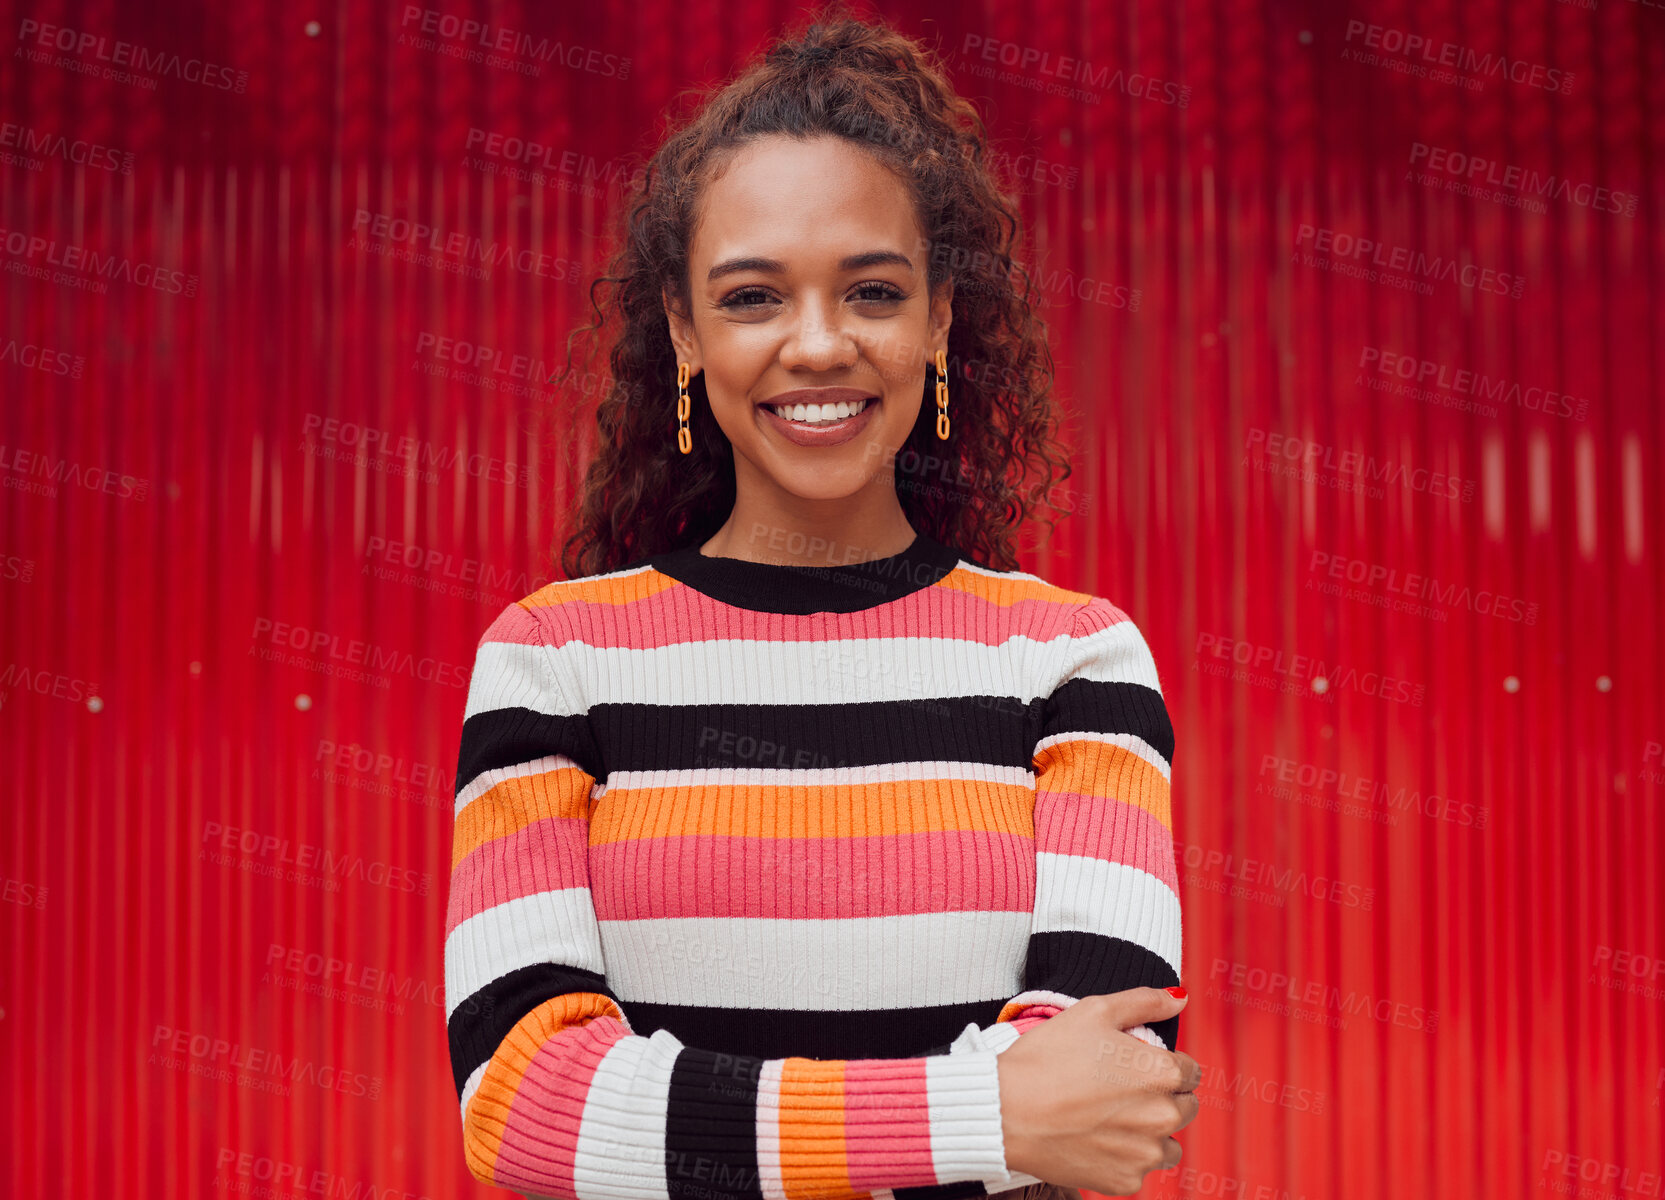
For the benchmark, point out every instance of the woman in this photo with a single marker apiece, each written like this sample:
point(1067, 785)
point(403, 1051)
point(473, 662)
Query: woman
point(800, 851)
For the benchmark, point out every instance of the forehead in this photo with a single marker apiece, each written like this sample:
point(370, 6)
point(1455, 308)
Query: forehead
point(802, 202)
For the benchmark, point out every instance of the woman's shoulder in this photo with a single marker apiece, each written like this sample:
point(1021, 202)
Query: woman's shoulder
point(1042, 602)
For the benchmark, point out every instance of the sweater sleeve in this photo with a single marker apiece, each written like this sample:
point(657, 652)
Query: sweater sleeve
point(558, 1095)
point(1107, 914)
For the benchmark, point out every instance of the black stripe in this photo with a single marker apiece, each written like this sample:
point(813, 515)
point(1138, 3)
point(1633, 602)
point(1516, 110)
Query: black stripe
point(1094, 706)
point(1079, 964)
point(999, 730)
point(505, 737)
point(943, 1191)
point(711, 1126)
point(484, 1019)
point(799, 1033)
point(785, 588)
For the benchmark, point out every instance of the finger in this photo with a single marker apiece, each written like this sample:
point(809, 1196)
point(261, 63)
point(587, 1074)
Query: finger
point(1189, 1106)
point(1172, 1152)
point(1190, 1072)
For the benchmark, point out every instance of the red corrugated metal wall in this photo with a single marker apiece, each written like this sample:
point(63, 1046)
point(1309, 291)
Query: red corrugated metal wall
point(1369, 443)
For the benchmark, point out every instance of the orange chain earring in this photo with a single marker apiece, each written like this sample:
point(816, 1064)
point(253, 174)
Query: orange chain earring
point(942, 395)
point(684, 439)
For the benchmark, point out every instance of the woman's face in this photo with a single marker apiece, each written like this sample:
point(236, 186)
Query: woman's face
point(807, 278)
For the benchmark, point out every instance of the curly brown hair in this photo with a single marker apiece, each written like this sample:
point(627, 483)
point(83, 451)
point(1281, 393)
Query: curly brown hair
point(863, 81)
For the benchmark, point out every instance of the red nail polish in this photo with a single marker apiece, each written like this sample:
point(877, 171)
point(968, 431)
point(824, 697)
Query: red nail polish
point(1178, 993)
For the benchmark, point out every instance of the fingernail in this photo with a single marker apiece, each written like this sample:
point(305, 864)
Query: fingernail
point(1178, 993)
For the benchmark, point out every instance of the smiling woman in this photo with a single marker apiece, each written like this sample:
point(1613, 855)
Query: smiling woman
point(806, 849)
point(822, 231)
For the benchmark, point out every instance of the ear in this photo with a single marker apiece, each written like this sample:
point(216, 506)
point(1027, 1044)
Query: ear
point(942, 315)
point(682, 332)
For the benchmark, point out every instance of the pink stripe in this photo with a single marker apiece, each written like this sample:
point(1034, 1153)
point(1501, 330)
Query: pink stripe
point(709, 875)
point(679, 614)
point(1112, 830)
point(546, 856)
point(540, 1138)
point(887, 1123)
point(516, 625)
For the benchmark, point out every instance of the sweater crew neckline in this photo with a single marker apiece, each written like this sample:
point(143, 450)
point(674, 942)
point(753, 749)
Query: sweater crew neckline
point(793, 589)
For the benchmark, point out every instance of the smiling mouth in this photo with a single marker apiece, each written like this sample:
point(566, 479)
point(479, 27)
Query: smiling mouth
point(819, 414)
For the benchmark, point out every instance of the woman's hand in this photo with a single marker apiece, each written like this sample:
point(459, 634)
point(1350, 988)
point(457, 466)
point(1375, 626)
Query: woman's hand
point(1085, 1105)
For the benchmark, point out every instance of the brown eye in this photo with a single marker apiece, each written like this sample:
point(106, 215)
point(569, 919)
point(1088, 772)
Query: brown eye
point(746, 297)
point(886, 292)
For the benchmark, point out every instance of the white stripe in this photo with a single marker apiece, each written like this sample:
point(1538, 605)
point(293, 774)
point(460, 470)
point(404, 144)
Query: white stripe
point(1074, 892)
point(846, 964)
point(963, 1094)
point(1115, 654)
point(557, 926)
point(771, 1177)
point(814, 671)
point(472, 1085)
point(513, 675)
point(1128, 741)
point(857, 776)
point(621, 1134)
point(486, 780)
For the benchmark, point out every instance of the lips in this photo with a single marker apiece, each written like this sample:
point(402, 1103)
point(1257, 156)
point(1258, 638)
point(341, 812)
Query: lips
point(819, 433)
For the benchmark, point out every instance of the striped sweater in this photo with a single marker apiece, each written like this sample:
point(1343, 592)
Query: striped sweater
point(758, 868)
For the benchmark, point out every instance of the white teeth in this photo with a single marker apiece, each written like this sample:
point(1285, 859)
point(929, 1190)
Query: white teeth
point(812, 413)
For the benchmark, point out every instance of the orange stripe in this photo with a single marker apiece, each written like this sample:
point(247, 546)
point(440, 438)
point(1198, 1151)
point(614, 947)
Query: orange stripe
point(1005, 592)
point(1000, 592)
point(813, 1157)
point(601, 591)
point(512, 804)
point(819, 811)
point(1101, 769)
point(488, 1108)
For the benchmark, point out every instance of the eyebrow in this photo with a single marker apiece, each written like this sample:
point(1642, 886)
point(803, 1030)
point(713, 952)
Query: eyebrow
point(854, 262)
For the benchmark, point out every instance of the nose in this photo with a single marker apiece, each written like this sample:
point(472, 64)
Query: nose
point(818, 341)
